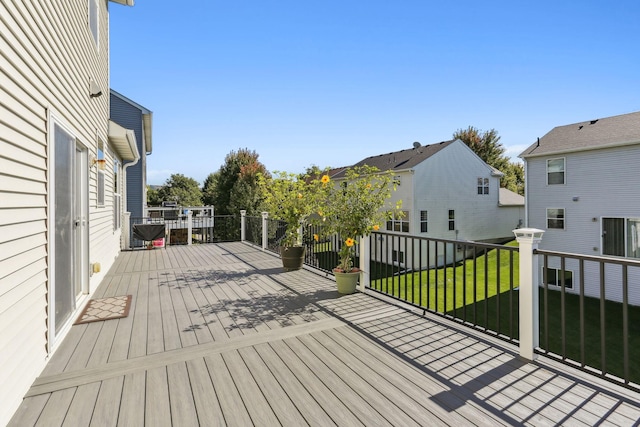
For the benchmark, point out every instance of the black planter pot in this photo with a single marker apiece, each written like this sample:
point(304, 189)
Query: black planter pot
point(292, 257)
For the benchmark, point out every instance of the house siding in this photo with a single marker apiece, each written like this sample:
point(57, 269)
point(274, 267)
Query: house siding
point(47, 56)
point(447, 180)
point(597, 179)
point(130, 117)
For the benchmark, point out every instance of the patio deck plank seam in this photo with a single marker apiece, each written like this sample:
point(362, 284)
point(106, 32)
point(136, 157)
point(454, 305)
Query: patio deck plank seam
point(50, 383)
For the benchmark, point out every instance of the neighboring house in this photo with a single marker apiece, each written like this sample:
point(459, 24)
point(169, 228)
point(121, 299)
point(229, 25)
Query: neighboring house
point(59, 230)
point(132, 115)
point(581, 187)
point(448, 192)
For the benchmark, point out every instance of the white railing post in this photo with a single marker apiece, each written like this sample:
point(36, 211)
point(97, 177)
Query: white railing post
point(126, 230)
point(528, 240)
point(243, 218)
point(265, 231)
point(189, 226)
point(365, 262)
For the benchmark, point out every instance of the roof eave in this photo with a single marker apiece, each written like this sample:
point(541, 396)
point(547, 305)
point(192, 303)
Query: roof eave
point(123, 2)
point(123, 141)
point(146, 123)
point(580, 149)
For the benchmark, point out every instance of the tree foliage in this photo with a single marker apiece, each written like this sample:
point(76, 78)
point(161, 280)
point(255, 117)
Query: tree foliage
point(486, 144)
point(183, 190)
point(153, 197)
point(234, 186)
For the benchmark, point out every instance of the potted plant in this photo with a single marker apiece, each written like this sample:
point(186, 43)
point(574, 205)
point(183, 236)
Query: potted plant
point(354, 208)
point(291, 198)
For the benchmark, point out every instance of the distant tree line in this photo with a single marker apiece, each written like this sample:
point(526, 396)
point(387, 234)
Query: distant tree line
point(234, 186)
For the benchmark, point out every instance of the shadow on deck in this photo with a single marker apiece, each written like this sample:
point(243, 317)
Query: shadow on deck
point(219, 335)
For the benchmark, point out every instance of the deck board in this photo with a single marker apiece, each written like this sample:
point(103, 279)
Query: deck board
point(204, 393)
point(132, 404)
point(219, 334)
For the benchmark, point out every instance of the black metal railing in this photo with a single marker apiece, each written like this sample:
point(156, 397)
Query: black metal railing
point(472, 283)
point(226, 228)
point(253, 230)
point(590, 314)
point(322, 251)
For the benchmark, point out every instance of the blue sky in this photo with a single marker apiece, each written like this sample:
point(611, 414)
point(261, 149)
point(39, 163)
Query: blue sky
point(329, 83)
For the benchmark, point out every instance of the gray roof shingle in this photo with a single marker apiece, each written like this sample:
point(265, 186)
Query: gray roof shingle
point(403, 159)
point(590, 135)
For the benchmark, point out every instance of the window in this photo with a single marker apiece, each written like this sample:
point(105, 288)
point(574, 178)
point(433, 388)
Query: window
point(117, 198)
point(483, 185)
point(555, 171)
point(397, 223)
point(452, 219)
point(398, 256)
point(424, 217)
point(554, 277)
point(93, 19)
point(555, 218)
point(621, 237)
point(100, 166)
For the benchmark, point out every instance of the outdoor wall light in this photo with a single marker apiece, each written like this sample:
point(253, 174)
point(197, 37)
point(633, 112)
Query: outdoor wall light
point(94, 89)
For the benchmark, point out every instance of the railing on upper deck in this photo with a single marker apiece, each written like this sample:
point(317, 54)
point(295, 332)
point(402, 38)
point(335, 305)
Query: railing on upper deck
point(187, 225)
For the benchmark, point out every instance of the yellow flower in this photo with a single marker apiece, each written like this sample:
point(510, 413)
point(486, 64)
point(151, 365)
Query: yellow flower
point(376, 227)
point(325, 179)
point(349, 242)
point(320, 213)
point(299, 195)
point(315, 237)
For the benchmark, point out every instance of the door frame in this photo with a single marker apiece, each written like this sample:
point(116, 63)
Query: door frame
point(81, 243)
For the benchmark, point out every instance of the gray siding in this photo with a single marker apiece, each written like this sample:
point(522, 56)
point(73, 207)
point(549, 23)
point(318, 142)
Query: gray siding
point(130, 117)
point(605, 183)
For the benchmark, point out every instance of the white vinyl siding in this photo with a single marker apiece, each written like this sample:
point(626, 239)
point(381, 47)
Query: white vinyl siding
point(48, 56)
point(94, 13)
point(595, 180)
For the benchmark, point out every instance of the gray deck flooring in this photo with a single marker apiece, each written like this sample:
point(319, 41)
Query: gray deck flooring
point(219, 335)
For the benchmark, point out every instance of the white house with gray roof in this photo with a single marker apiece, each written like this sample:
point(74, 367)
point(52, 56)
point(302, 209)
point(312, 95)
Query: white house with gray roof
point(582, 188)
point(448, 192)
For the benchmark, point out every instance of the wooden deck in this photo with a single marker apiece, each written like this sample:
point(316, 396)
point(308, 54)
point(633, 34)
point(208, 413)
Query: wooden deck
point(219, 335)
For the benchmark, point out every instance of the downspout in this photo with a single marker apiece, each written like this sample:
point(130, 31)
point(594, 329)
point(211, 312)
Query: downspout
point(131, 139)
point(526, 195)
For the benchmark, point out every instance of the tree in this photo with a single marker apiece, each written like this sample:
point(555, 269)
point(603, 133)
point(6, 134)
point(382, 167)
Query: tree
point(235, 185)
point(182, 190)
point(153, 196)
point(488, 147)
